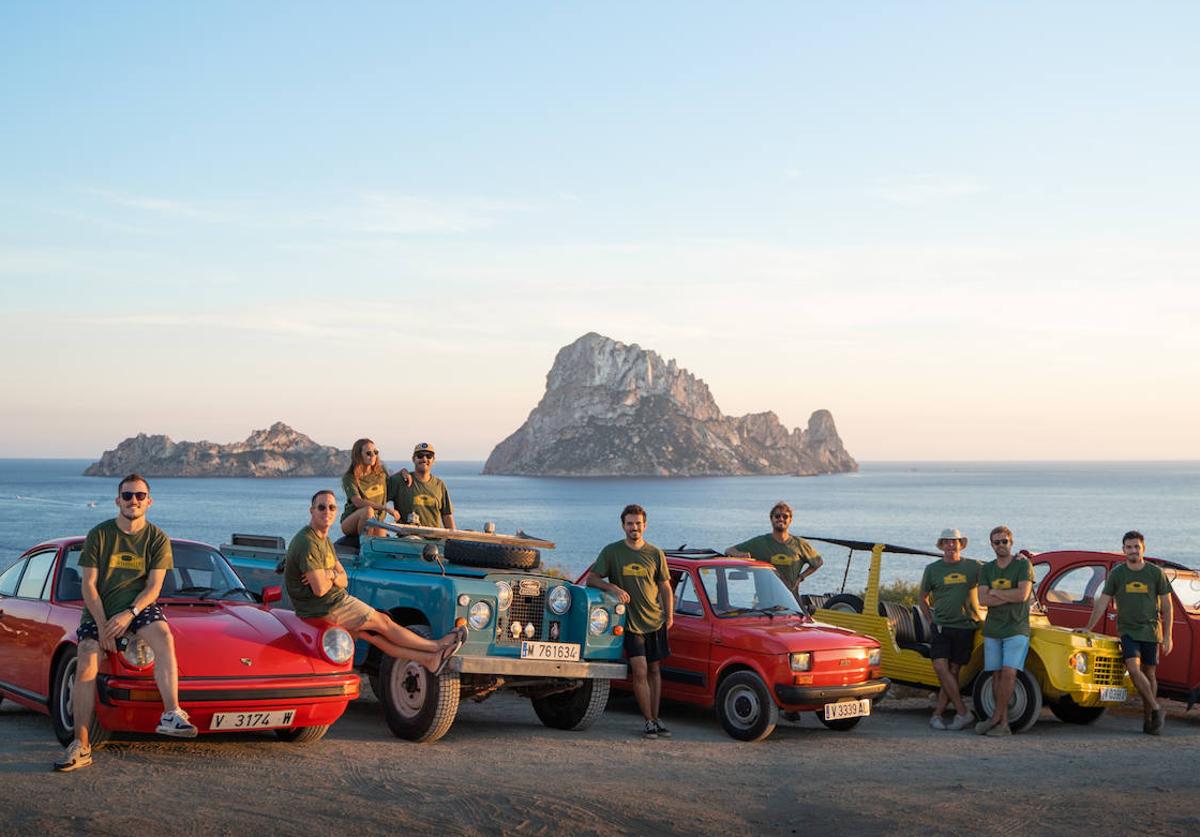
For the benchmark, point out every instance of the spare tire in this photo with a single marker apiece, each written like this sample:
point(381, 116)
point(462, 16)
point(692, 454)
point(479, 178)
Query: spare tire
point(845, 602)
point(492, 556)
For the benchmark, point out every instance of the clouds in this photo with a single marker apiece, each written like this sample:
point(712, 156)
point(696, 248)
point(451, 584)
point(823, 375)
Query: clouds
point(927, 189)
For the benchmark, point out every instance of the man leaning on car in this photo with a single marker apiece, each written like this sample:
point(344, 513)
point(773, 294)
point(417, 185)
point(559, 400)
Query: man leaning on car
point(949, 584)
point(1005, 588)
point(123, 566)
point(794, 558)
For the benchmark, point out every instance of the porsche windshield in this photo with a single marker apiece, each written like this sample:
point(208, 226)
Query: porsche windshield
point(744, 591)
point(199, 573)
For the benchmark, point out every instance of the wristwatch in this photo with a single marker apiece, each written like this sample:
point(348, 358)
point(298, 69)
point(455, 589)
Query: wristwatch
point(134, 610)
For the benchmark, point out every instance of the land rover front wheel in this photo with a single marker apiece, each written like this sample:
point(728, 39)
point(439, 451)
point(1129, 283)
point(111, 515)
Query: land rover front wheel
point(417, 705)
point(1023, 707)
point(745, 707)
point(575, 710)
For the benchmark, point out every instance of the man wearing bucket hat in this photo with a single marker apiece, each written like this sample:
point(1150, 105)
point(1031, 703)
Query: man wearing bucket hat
point(421, 493)
point(950, 600)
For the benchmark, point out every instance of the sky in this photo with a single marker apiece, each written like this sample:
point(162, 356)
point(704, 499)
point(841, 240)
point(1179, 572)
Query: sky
point(967, 229)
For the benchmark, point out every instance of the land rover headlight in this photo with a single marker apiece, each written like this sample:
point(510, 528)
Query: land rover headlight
point(480, 615)
point(337, 645)
point(1079, 662)
point(503, 595)
point(874, 656)
point(137, 654)
point(802, 661)
point(559, 600)
point(597, 621)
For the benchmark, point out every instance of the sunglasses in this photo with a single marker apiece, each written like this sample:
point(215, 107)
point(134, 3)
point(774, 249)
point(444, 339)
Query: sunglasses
point(129, 495)
point(370, 453)
point(423, 456)
point(780, 516)
point(1001, 542)
point(326, 506)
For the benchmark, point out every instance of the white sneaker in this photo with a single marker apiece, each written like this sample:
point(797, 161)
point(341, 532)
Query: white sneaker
point(176, 724)
point(76, 757)
point(937, 723)
point(961, 722)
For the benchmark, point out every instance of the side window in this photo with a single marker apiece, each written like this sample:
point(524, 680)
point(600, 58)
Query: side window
point(70, 580)
point(1078, 586)
point(1040, 571)
point(686, 600)
point(8, 581)
point(35, 575)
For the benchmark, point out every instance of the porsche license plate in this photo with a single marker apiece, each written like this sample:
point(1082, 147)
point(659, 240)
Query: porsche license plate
point(568, 651)
point(252, 720)
point(1113, 694)
point(847, 709)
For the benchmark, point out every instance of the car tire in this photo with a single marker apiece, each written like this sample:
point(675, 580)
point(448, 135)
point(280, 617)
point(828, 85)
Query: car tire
point(745, 707)
point(575, 710)
point(1070, 712)
point(417, 705)
point(837, 724)
point(1023, 708)
point(300, 735)
point(493, 556)
point(62, 709)
point(845, 603)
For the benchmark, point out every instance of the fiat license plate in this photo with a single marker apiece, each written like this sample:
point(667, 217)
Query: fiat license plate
point(1115, 694)
point(252, 720)
point(847, 709)
point(568, 651)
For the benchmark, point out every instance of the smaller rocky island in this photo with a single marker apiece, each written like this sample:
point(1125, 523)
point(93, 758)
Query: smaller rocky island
point(617, 410)
point(278, 451)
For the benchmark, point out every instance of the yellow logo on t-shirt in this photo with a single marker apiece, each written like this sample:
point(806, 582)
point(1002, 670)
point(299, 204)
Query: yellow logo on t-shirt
point(1001, 584)
point(782, 559)
point(424, 500)
point(954, 578)
point(127, 561)
point(1137, 587)
point(636, 570)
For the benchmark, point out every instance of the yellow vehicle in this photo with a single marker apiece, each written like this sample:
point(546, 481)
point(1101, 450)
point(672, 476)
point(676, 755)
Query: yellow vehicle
point(1078, 675)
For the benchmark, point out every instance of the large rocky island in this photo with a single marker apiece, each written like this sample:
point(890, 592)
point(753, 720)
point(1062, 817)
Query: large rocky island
point(278, 451)
point(617, 410)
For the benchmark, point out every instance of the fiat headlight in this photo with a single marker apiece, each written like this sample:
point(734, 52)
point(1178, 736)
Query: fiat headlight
point(802, 661)
point(503, 595)
point(137, 654)
point(480, 615)
point(873, 657)
point(559, 600)
point(337, 645)
point(597, 621)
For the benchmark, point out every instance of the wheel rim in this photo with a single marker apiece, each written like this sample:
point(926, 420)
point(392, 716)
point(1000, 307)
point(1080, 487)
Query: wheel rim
point(1017, 703)
point(742, 707)
point(66, 697)
point(409, 688)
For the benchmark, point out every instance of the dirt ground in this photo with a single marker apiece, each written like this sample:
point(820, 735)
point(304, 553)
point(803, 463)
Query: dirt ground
point(500, 771)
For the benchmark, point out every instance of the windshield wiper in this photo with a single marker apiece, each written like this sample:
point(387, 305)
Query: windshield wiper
point(195, 588)
point(765, 611)
point(225, 593)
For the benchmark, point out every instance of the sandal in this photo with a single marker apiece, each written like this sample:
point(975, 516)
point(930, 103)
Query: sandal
point(450, 650)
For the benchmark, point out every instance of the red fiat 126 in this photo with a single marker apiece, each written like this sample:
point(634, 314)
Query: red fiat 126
point(242, 666)
point(742, 644)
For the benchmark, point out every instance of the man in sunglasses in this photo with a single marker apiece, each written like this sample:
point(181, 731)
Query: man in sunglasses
point(123, 564)
point(794, 558)
point(422, 493)
point(1005, 589)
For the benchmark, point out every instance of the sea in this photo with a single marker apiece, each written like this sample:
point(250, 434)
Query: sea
point(1048, 505)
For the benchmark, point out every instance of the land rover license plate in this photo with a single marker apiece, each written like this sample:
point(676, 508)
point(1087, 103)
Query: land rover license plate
point(252, 720)
point(568, 651)
point(1114, 694)
point(847, 709)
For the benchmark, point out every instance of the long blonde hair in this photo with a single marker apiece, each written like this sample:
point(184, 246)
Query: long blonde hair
point(358, 466)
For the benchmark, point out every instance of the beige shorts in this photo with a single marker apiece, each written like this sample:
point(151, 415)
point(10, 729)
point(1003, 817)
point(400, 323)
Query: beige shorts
point(351, 614)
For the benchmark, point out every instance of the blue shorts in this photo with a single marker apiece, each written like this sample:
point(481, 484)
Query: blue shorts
point(1147, 652)
point(151, 614)
point(1005, 653)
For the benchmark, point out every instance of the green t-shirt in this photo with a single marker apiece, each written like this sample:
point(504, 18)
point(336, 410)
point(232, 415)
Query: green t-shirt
point(309, 551)
point(637, 572)
point(951, 586)
point(1010, 619)
point(373, 487)
point(430, 500)
point(789, 558)
point(1136, 594)
point(123, 562)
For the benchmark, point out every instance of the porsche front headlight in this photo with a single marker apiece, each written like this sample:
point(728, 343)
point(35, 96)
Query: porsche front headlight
point(137, 654)
point(337, 645)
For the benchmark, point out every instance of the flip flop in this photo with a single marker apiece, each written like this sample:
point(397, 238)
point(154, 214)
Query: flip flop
point(450, 650)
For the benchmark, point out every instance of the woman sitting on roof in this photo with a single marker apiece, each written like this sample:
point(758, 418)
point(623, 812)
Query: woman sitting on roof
point(365, 483)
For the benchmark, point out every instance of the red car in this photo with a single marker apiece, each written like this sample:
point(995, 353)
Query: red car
point(242, 665)
point(742, 644)
point(1069, 581)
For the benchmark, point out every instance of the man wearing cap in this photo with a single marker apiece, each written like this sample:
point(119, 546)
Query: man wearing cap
point(949, 585)
point(793, 558)
point(1005, 589)
point(422, 493)
point(1143, 596)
